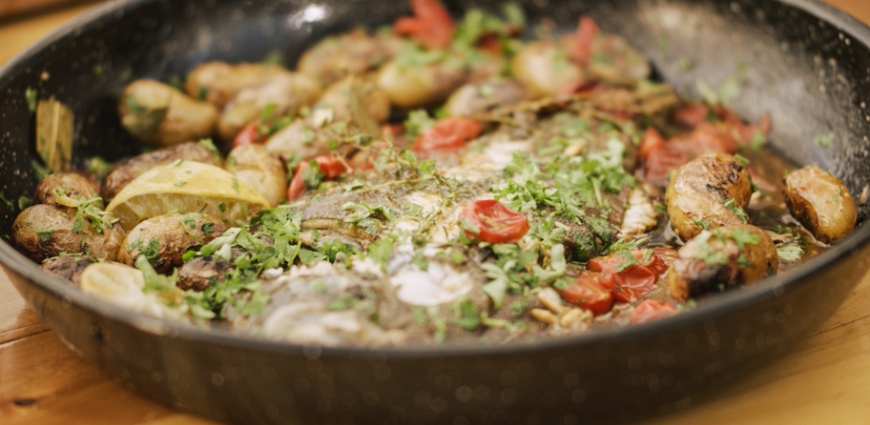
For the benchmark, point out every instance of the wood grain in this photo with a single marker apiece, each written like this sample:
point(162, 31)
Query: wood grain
point(825, 380)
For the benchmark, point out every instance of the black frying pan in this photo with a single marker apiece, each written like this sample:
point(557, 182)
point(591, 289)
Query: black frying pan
point(808, 67)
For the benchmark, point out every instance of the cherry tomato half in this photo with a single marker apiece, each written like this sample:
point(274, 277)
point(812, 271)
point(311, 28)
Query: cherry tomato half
point(496, 222)
point(447, 134)
point(650, 310)
point(651, 141)
point(249, 135)
point(632, 283)
point(431, 24)
point(330, 167)
point(587, 31)
point(610, 263)
point(661, 161)
point(591, 291)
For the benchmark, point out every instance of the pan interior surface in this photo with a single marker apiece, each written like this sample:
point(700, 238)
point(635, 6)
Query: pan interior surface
point(804, 64)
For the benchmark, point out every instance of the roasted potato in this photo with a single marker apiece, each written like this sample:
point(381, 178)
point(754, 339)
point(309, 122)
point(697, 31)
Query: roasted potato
point(163, 239)
point(821, 202)
point(616, 62)
point(44, 231)
point(157, 113)
point(299, 138)
point(475, 98)
point(286, 92)
point(67, 267)
point(544, 69)
point(708, 192)
point(70, 185)
point(353, 53)
point(218, 82)
point(134, 167)
point(201, 272)
point(410, 86)
point(259, 169)
point(340, 98)
point(721, 259)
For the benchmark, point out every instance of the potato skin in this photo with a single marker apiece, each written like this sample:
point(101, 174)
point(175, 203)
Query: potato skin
point(419, 86)
point(59, 222)
point(544, 69)
point(217, 82)
point(134, 167)
point(259, 169)
point(821, 202)
point(174, 233)
point(72, 184)
point(698, 189)
point(713, 260)
point(353, 53)
point(156, 113)
point(338, 97)
point(199, 273)
point(287, 91)
point(67, 267)
point(480, 97)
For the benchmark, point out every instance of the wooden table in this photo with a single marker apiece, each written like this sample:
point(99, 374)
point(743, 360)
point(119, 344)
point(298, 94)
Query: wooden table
point(826, 380)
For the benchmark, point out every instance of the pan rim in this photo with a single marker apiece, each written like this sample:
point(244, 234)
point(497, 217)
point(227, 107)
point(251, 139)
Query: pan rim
point(722, 305)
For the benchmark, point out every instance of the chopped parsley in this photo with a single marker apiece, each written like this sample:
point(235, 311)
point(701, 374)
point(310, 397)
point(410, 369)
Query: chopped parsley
point(824, 140)
point(31, 97)
point(790, 252)
point(736, 209)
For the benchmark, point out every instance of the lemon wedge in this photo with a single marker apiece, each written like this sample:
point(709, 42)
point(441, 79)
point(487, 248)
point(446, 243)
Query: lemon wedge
point(122, 285)
point(183, 187)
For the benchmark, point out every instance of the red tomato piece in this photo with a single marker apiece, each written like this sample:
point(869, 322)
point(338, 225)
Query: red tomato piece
point(692, 115)
point(633, 283)
point(431, 24)
point(650, 310)
point(610, 263)
point(330, 167)
point(591, 291)
point(297, 186)
point(666, 256)
point(587, 31)
point(660, 162)
point(249, 135)
point(496, 222)
point(651, 141)
point(447, 134)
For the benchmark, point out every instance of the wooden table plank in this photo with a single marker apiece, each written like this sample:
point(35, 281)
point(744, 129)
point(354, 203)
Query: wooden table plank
point(826, 379)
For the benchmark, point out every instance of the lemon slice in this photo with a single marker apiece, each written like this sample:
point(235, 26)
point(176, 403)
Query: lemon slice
point(122, 285)
point(184, 187)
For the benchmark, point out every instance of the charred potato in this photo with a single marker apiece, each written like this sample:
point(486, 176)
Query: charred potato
point(44, 231)
point(163, 239)
point(57, 185)
point(156, 113)
point(67, 267)
point(475, 98)
point(201, 272)
point(286, 92)
point(353, 53)
point(544, 69)
point(708, 192)
point(134, 167)
point(218, 82)
point(721, 259)
point(821, 202)
point(259, 169)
